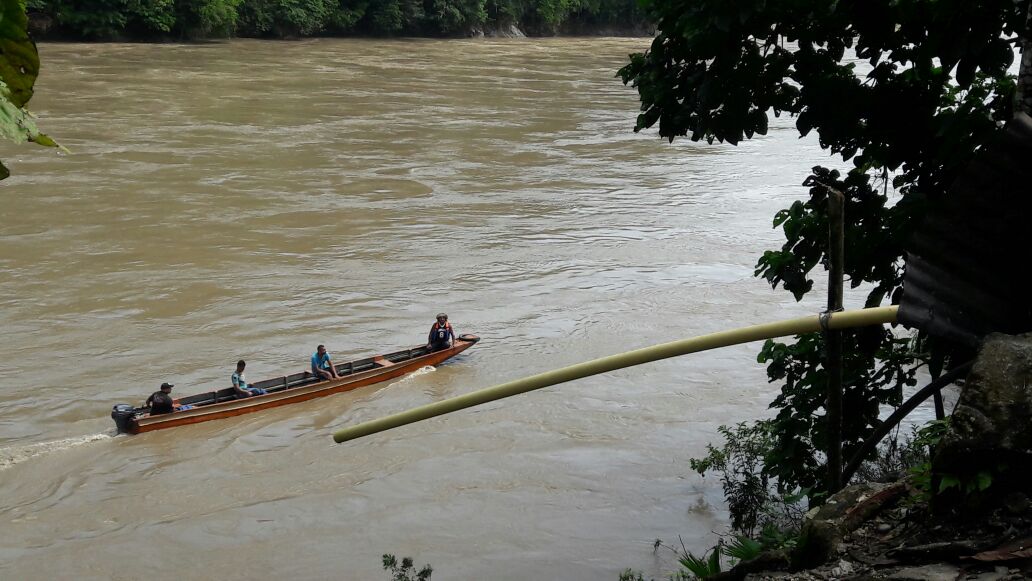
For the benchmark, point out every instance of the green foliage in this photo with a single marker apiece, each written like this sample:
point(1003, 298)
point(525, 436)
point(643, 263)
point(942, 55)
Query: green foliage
point(743, 548)
point(937, 90)
point(895, 458)
point(110, 19)
point(92, 18)
point(387, 16)
point(103, 19)
point(19, 61)
point(773, 537)
point(924, 478)
point(150, 16)
point(553, 12)
point(702, 567)
point(202, 18)
point(755, 498)
point(345, 16)
point(19, 66)
point(799, 430)
point(452, 16)
point(405, 571)
point(631, 575)
point(285, 17)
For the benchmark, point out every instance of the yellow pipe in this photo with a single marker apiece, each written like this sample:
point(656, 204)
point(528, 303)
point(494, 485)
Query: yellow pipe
point(810, 324)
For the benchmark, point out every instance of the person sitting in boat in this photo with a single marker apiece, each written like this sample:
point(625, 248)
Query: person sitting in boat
point(160, 402)
point(441, 334)
point(240, 385)
point(322, 367)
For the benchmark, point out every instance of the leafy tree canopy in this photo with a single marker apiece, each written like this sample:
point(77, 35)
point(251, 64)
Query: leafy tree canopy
point(932, 86)
point(143, 19)
point(19, 66)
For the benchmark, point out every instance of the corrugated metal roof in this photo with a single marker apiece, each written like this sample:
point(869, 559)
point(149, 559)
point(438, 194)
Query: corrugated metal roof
point(967, 268)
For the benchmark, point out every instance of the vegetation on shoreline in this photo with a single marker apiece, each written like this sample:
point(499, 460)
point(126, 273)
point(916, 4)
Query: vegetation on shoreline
point(935, 89)
point(197, 19)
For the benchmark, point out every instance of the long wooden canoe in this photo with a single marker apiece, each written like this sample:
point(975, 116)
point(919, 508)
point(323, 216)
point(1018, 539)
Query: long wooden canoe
point(288, 389)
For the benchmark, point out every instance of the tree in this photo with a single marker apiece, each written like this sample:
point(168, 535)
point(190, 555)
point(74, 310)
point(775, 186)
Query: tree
point(202, 18)
point(937, 90)
point(19, 66)
point(284, 18)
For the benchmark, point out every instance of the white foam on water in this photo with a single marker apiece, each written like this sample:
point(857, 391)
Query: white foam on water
point(416, 373)
point(18, 454)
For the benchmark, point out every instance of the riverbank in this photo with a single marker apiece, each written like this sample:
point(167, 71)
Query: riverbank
point(277, 19)
point(889, 531)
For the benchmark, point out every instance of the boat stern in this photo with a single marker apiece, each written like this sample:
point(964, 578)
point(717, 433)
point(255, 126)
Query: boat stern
point(125, 418)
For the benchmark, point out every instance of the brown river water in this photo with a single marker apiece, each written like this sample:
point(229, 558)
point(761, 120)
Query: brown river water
point(252, 199)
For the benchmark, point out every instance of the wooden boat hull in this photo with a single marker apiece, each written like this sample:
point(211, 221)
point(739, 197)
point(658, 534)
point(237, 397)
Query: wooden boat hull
point(383, 370)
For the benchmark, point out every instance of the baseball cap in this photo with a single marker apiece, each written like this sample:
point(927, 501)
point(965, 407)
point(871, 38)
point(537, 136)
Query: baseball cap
point(168, 385)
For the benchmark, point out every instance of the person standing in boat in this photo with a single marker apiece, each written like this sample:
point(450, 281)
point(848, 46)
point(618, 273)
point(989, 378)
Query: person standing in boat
point(240, 385)
point(441, 334)
point(322, 366)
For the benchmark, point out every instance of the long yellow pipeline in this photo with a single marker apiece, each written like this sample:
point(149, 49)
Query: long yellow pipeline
point(841, 320)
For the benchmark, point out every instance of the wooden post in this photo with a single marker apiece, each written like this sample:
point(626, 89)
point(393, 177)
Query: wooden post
point(833, 339)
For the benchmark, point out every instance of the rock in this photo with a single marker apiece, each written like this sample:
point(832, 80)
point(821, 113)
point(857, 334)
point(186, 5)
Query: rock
point(1016, 503)
point(824, 527)
point(884, 527)
point(937, 550)
point(767, 562)
point(997, 574)
point(990, 427)
point(505, 31)
point(842, 569)
point(937, 572)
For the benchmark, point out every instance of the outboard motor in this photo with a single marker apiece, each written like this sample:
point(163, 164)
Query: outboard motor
point(123, 415)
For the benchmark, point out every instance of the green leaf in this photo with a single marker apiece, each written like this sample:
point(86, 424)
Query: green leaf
point(714, 560)
point(947, 482)
point(19, 60)
point(17, 124)
point(743, 548)
point(983, 480)
point(44, 140)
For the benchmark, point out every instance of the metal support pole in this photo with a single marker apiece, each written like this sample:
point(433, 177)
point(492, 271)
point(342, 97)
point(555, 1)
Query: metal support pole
point(833, 339)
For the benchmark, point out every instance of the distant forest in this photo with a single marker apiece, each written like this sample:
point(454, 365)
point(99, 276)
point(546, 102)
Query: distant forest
point(197, 19)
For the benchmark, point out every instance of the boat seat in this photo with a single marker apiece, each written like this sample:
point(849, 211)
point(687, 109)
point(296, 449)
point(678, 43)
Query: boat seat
point(382, 362)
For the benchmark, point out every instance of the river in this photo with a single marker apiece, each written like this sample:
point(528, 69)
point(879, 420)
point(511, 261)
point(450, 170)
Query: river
point(249, 200)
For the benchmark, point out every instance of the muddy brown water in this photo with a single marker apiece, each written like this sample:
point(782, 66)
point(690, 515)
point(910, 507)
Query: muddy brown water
point(251, 199)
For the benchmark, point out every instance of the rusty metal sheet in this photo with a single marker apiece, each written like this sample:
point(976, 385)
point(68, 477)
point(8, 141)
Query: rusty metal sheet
point(967, 265)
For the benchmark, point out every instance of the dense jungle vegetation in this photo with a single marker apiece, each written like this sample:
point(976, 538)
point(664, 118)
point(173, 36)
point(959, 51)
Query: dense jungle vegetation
point(193, 19)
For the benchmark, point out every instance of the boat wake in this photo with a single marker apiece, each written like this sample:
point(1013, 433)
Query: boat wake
point(18, 454)
point(416, 373)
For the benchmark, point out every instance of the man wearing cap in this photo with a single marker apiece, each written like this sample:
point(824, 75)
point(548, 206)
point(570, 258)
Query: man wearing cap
point(160, 402)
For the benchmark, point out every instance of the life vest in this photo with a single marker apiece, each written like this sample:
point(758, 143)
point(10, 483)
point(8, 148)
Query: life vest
point(441, 333)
